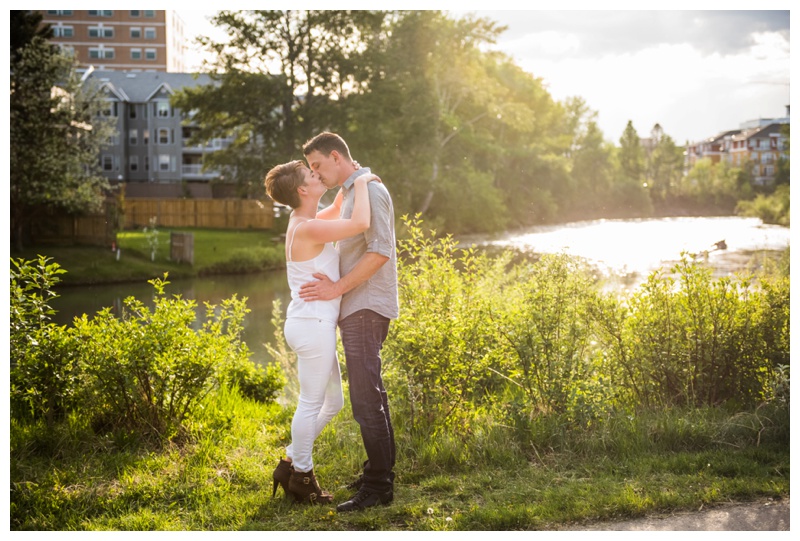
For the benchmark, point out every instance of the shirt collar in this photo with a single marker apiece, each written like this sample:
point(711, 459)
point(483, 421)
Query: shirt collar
point(352, 178)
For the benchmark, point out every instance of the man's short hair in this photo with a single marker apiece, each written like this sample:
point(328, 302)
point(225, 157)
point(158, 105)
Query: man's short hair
point(327, 142)
point(282, 182)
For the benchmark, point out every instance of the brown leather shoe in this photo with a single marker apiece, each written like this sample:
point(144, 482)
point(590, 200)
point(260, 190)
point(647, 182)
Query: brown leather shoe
point(305, 488)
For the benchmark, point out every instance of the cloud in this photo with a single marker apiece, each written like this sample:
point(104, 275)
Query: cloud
point(600, 33)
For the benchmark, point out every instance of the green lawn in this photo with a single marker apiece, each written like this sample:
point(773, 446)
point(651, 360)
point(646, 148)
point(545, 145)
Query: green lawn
point(93, 265)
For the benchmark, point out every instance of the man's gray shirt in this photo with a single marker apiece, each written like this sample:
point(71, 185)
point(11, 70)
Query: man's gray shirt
point(379, 293)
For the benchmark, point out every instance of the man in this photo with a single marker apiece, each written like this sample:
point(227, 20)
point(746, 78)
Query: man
point(368, 286)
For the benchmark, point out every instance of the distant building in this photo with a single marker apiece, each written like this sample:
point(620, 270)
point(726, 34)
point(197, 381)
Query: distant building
point(761, 122)
point(714, 148)
point(760, 141)
point(763, 147)
point(149, 152)
point(133, 40)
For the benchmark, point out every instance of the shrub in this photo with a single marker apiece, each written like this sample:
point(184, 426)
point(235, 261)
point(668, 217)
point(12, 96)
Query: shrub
point(147, 370)
point(546, 328)
point(245, 260)
point(43, 371)
point(439, 349)
point(697, 341)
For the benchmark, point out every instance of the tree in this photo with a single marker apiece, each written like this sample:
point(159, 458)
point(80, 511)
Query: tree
point(664, 165)
point(631, 159)
point(278, 79)
point(26, 25)
point(465, 146)
point(592, 169)
point(56, 136)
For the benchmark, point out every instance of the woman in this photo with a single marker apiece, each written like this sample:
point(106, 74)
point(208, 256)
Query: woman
point(310, 328)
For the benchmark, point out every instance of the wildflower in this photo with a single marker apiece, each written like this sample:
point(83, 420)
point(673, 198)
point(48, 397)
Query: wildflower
point(430, 510)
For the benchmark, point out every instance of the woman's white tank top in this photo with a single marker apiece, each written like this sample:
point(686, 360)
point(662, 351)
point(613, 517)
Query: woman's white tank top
point(301, 272)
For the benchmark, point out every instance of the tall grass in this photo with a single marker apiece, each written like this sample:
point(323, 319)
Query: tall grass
point(521, 397)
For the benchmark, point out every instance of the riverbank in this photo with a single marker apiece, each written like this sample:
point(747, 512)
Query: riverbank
point(215, 252)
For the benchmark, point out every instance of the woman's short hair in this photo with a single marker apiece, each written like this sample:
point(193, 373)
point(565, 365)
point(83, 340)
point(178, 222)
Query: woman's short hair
point(282, 182)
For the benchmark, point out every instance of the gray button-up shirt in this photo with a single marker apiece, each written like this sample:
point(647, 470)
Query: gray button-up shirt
point(379, 293)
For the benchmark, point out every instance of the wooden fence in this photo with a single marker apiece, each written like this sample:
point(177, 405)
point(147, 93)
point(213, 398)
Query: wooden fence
point(96, 229)
point(210, 213)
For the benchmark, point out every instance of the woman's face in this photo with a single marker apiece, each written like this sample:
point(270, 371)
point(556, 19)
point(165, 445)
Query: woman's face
point(313, 181)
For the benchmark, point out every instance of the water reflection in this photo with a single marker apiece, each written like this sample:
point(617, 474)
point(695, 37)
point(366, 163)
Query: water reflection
point(260, 289)
point(629, 250)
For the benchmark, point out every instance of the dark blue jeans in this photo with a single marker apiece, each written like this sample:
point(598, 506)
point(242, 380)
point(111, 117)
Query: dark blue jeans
point(363, 333)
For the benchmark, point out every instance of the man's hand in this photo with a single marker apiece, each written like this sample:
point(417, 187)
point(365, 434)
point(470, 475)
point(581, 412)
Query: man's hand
point(323, 289)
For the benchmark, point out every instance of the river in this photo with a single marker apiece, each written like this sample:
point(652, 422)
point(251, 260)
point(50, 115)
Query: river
point(625, 251)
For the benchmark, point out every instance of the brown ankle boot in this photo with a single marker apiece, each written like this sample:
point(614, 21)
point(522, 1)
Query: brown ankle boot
point(306, 489)
point(281, 475)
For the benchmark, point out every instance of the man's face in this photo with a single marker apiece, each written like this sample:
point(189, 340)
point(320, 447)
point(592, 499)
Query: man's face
point(327, 167)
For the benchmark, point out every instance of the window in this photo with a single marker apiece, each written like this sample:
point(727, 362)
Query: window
point(108, 162)
point(63, 32)
point(163, 162)
point(101, 32)
point(150, 54)
point(149, 13)
point(769, 170)
point(101, 53)
point(136, 32)
point(145, 135)
point(161, 109)
point(136, 13)
point(149, 33)
point(136, 54)
point(101, 13)
point(131, 111)
point(133, 137)
point(109, 108)
point(163, 136)
point(147, 163)
point(67, 12)
point(67, 50)
point(134, 163)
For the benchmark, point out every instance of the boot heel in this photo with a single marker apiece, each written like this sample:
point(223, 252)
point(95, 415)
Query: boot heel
point(281, 476)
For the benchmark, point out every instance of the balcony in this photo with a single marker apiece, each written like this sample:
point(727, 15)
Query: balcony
point(194, 171)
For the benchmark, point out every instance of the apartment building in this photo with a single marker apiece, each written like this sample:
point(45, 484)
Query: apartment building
point(760, 141)
point(713, 148)
point(132, 40)
point(763, 146)
point(149, 151)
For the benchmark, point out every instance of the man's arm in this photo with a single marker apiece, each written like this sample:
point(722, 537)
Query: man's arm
point(324, 289)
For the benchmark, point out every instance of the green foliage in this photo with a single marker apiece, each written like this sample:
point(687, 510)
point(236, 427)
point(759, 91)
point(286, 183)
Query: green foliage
point(477, 334)
point(146, 370)
point(56, 135)
point(696, 340)
point(43, 369)
point(245, 260)
point(282, 355)
point(439, 345)
point(772, 208)
point(547, 328)
point(257, 382)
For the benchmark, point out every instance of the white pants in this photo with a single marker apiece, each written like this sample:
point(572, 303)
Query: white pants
point(314, 342)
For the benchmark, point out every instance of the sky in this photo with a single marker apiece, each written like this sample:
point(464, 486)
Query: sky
point(696, 73)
